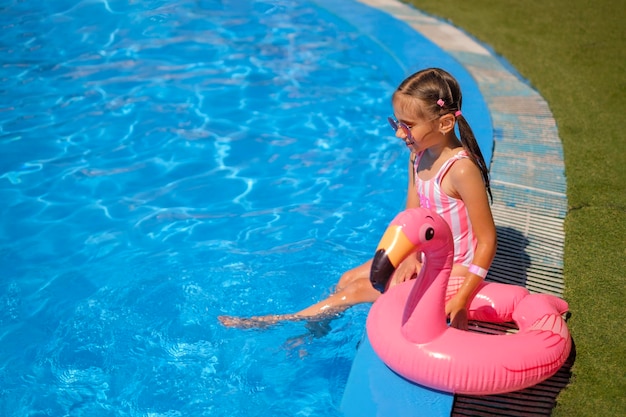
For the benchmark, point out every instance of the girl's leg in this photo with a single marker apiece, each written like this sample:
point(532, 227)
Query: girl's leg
point(359, 290)
point(361, 271)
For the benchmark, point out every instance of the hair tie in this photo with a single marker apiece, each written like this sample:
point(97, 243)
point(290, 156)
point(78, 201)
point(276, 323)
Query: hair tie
point(458, 113)
point(441, 103)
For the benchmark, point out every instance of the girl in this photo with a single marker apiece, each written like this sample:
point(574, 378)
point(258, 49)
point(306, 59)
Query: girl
point(447, 175)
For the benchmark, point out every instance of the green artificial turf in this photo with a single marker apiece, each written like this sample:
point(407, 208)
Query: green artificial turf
point(573, 53)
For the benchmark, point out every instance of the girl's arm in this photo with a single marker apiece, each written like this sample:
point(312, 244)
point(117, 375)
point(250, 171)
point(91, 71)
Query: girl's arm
point(468, 185)
point(410, 267)
point(412, 200)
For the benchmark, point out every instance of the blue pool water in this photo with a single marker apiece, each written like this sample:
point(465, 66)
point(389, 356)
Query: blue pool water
point(166, 162)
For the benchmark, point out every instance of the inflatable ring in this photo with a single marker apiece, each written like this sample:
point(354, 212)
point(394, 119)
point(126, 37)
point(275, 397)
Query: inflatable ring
point(408, 330)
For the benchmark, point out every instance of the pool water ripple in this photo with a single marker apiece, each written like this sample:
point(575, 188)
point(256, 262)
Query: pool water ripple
point(166, 162)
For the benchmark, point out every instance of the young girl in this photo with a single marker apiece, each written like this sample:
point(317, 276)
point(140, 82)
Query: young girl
point(447, 175)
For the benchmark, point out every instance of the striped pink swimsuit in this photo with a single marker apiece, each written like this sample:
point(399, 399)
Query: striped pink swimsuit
point(451, 209)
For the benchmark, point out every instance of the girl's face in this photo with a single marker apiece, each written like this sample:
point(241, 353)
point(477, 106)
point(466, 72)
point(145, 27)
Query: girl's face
point(410, 124)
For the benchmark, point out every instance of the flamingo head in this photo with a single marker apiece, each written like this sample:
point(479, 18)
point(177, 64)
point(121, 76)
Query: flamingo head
point(412, 230)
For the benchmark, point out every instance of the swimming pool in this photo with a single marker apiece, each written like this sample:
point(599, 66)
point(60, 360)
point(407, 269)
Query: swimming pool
point(165, 162)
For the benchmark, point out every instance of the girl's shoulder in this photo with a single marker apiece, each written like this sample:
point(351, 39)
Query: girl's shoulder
point(460, 153)
point(463, 170)
point(454, 158)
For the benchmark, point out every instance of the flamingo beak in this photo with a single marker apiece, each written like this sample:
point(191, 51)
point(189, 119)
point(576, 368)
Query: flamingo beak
point(392, 249)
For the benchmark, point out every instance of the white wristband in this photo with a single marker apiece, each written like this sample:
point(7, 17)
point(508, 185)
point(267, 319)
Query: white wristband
point(475, 269)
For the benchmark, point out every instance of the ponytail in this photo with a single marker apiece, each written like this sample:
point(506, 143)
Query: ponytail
point(468, 140)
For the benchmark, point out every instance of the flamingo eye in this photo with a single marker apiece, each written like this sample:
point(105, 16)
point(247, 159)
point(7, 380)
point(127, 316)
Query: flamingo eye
point(430, 233)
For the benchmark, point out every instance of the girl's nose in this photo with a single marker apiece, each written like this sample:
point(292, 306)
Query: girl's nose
point(401, 134)
point(405, 134)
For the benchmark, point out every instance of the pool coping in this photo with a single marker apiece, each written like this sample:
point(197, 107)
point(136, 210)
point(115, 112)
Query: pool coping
point(528, 184)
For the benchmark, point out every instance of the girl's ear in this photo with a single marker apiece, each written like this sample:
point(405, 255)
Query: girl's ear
point(446, 123)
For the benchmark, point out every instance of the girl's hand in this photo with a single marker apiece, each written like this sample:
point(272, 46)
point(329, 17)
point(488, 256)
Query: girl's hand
point(408, 269)
point(458, 313)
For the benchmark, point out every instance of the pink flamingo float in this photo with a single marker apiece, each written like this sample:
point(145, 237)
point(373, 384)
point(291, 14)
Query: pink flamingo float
point(408, 330)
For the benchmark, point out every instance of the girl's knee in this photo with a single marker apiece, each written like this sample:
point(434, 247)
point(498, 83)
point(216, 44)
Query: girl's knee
point(354, 274)
point(347, 279)
point(361, 290)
